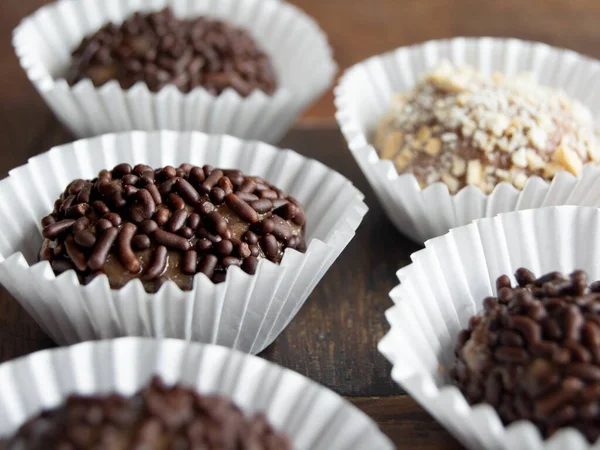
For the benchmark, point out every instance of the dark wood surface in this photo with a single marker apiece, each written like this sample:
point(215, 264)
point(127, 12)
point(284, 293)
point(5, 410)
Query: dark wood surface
point(333, 339)
point(339, 326)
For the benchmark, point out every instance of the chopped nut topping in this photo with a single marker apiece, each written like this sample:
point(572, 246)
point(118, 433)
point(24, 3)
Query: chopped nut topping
point(538, 138)
point(503, 175)
point(551, 169)
point(433, 147)
point(393, 142)
point(534, 160)
point(519, 158)
point(569, 159)
point(459, 166)
point(404, 157)
point(460, 126)
point(451, 182)
point(480, 139)
point(424, 134)
point(474, 172)
point(499, 124)
point(519, 180)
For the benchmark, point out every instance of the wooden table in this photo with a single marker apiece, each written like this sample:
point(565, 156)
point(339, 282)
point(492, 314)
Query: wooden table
point(333, 339)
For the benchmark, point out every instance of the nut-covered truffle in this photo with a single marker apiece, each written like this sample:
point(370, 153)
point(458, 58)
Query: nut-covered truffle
point(462, 128)
point(534, 352)
point(157, 418)
point(160, 49)
point(169, 224)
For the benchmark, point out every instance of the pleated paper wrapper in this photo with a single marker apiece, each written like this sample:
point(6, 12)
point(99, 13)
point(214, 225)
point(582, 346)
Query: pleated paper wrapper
point(445, 285)
point(365, 93)
point(246, 312)
point(312, 416)
point(297, 46)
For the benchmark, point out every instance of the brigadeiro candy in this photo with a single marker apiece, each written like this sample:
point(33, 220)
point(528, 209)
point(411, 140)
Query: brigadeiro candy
point(534, 353)
point(169, 224)
point(160, 49)
point(158, 417)
point(246, 68)
point(452, 131)
point(461, 127)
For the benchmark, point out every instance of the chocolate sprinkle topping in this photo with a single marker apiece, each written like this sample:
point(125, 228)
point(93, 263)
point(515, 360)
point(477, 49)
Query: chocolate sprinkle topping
point(159, 417)
point(534, 352)
point(136, 222)
point(159, 49)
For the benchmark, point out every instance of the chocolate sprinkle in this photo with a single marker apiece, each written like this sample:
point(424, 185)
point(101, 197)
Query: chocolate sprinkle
point(158, 417)
point(183, 233)
point(534, 353)
point(159, 49)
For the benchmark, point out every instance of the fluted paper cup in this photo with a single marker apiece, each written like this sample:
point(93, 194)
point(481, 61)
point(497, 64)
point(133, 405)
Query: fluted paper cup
point(246, 312)
point(298, 48)
point(365, 92)
point(445, 285)
point(312, 416)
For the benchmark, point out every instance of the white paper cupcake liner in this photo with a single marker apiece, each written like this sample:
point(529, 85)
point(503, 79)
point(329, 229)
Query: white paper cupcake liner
point(364, 95)
point(246, 312)
point(298, 48)
point(446, 284)
point(312, 416)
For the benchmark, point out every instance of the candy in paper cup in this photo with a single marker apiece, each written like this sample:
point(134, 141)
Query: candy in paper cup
point(297, 46)
point(445, 285)
point(309, 414)
point(246, 312)
point(365, 92)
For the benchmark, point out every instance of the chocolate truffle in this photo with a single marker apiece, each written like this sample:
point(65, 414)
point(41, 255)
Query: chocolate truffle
point(534, 352)
point(462, 128)
point(157, 418)
point(160, 49)
point(169, 224)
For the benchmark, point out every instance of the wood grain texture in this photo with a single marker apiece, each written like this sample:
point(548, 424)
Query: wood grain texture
point(333, 339)
point(344, 318)
point(406, 423)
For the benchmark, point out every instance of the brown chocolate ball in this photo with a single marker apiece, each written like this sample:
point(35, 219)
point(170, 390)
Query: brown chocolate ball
point(461, 127)
point(157, 418)
point(534, 353)
point(160, 49)
point(169, 224)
